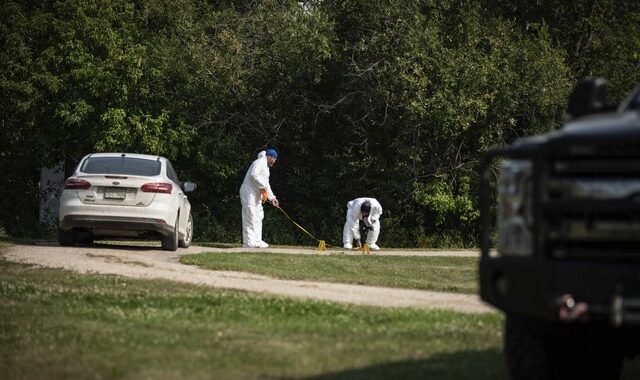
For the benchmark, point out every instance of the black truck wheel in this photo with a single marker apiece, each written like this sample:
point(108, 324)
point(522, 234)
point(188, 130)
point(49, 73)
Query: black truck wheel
point(536, 349)
point(524, 351)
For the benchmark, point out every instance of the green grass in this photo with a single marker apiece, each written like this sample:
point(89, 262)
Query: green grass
point(448, 274)
point(56, 324)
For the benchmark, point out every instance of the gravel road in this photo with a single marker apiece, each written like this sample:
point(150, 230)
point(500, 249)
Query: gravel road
point(148, 262)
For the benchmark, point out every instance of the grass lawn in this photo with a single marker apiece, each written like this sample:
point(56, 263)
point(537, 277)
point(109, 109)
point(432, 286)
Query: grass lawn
point(447, 274)
point(56, 324)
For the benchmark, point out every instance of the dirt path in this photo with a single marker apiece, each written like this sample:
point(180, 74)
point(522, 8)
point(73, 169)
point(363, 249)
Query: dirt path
point(153, 263)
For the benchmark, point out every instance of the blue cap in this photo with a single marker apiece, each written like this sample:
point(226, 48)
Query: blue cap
point(272, 153)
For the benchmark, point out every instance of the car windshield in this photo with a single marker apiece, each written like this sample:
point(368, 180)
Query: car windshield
point(121, 165)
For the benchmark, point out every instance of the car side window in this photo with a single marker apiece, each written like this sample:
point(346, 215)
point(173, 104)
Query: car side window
point(171, 173)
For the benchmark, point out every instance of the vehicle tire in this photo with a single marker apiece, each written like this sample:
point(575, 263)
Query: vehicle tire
point(524, 350)
point(186, 242)
point(66, 237)
point(536, 349)
point(84, 237)
point(170, 242)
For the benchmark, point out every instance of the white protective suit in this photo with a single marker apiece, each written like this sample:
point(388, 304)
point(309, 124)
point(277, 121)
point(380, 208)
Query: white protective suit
point(257, 177)
point(354, 216)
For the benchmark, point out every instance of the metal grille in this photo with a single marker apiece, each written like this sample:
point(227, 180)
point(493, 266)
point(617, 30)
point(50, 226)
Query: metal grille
point(591, 201)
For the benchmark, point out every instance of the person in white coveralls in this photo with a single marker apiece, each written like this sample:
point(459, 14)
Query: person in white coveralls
point(367, 210)
point(255, 190)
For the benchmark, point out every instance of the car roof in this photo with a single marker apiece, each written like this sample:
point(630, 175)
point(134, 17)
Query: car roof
point(130, 155)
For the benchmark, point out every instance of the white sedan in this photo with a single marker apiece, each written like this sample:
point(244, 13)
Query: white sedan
point(125, 195)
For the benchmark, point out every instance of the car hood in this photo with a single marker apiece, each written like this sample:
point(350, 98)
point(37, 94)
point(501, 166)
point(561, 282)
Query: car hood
point(619, 126)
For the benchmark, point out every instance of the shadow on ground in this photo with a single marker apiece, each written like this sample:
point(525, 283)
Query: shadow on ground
point(477, 365)
point(141, 245)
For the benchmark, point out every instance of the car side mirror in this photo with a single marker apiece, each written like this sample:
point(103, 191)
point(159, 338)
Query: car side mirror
point(589, 96)
point(188, 186)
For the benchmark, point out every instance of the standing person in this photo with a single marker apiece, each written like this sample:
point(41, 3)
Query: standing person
point(367, 210)
point(255, 190)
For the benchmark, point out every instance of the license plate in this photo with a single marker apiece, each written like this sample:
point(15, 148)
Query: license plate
point(115, 193)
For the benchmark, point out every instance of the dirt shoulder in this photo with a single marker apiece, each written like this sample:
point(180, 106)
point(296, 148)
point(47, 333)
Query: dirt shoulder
point(153, 263)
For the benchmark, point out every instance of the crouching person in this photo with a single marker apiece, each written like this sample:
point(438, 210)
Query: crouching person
point(367, 210)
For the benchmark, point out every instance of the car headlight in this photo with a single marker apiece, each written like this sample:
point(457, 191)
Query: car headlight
point(514, 208)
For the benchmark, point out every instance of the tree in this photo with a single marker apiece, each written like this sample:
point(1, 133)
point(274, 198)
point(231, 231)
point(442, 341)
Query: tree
point(600, 38)
point(392, 99)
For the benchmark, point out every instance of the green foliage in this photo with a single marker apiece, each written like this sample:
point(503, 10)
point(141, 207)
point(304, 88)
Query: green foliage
point(391, 99)
point(600, 38)
point(442, 200)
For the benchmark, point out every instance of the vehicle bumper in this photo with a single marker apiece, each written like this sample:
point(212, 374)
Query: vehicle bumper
point(115, 223)
point(533, 287)
point(107, 220)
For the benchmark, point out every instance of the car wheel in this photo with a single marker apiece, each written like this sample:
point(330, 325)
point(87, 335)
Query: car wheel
point(188, 235)
point(85, 237)
point(524, 351)
point(66, 237)
point(536, 349)
point(170, 242)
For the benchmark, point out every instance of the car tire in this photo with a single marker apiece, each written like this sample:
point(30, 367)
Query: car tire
point(188, 236)
point(524, 351)
point(85, 238)
point(66, 237)
point(536, 349)
point(170, 242)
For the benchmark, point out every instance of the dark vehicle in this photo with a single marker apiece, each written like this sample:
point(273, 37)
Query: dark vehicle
point(566, 268)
